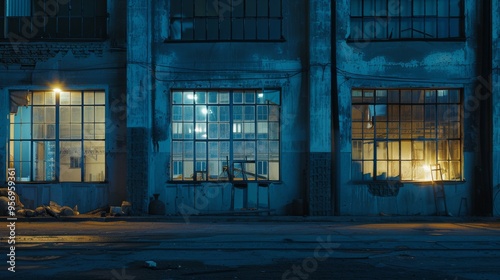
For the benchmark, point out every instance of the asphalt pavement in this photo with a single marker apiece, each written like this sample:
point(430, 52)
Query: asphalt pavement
point(296, 248)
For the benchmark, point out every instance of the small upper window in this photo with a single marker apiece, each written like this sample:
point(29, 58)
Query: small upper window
point(407, 19)
point(25, 20)
point(226, 20)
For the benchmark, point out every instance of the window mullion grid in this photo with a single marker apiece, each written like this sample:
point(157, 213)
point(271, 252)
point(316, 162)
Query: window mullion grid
point(412, 18)
point(194, 133)
point(435, 134)
point(399, 136)
point(449, 18)
point(32, 145)
point(387, 19)
point(256, 20)
point(231, 130)
point(399, 24)
point(206, 20)
point(269, 19)
point(82, 148)
point(256, 138)
point(95, 20)
point(193, 9)
point(244, 18)
point(81, 20)
point(436, 29)
point(363, 20)
point(231, 21)
point(57, 157)
point(218, 38)
point(281, 19)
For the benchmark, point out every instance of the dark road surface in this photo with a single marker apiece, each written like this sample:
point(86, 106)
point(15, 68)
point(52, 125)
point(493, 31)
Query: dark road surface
point(253, 250)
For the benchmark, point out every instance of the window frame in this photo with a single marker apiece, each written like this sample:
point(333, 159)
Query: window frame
point(53, 142)
point(46, 23)
point(391, 20)
point(228, 165)
point(430, 129)
point(227, 18)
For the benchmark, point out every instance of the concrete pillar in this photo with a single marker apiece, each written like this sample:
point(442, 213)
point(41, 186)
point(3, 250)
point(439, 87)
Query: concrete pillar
point(139, 85)
point(320, 150)
point(495, 79)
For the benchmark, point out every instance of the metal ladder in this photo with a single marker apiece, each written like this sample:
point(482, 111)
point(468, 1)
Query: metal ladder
point(438, 188)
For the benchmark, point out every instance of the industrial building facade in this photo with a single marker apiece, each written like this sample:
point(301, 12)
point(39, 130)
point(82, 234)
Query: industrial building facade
point(253, 106)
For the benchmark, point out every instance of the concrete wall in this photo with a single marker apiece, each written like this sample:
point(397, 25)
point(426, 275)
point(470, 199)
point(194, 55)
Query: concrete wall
point(400, 64)
point(219, 65)
point(38, 65)
point(320, 127)
point(495, 79)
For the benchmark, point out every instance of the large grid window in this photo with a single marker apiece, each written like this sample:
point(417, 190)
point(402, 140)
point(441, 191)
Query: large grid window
point(398, 134)
point(407, 19)
point(225, 135)
point(25, 20)
point(58, 136)
point(226, 20)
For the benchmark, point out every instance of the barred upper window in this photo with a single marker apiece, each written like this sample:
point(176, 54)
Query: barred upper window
point(226, 20)
point(25, 20)
point(398, 134)
point(407, 19)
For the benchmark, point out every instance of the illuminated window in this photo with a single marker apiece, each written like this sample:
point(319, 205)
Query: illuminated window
point(407, 19)
point(397, 134)
point(226, 20)
point(26, 20)
point(58, 136)
point(225, 135)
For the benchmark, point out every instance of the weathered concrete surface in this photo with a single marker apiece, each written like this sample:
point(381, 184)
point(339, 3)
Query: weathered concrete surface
point(495, 80)
point(252, 250)
point(232, 65)
point(73, 65)
point(400, 64)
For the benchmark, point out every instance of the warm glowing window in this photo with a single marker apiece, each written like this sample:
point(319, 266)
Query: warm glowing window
point(407, 19)
point(226, 20)
point(225, 135)
point(397, 134)
point(58, 136)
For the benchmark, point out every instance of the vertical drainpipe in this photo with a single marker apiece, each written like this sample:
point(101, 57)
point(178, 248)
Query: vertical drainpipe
point(335, 142)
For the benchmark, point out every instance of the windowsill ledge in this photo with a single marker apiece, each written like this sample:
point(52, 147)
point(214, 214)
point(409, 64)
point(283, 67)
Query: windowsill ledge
point(440, 40)
point(419, 183)
point(282, 40)
point(236, 183)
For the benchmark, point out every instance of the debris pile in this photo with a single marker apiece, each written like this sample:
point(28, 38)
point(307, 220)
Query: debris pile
point(56, 210)
point(53, 209)
point(5, 201)
point(115, 211)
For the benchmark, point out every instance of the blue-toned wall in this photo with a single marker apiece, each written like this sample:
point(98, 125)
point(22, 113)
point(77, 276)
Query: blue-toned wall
point(39, 65)
point(495, 79)
point(405, 64)
point(162, 66)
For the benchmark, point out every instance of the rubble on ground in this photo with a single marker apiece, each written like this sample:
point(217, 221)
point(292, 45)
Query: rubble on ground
point(55, 210)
